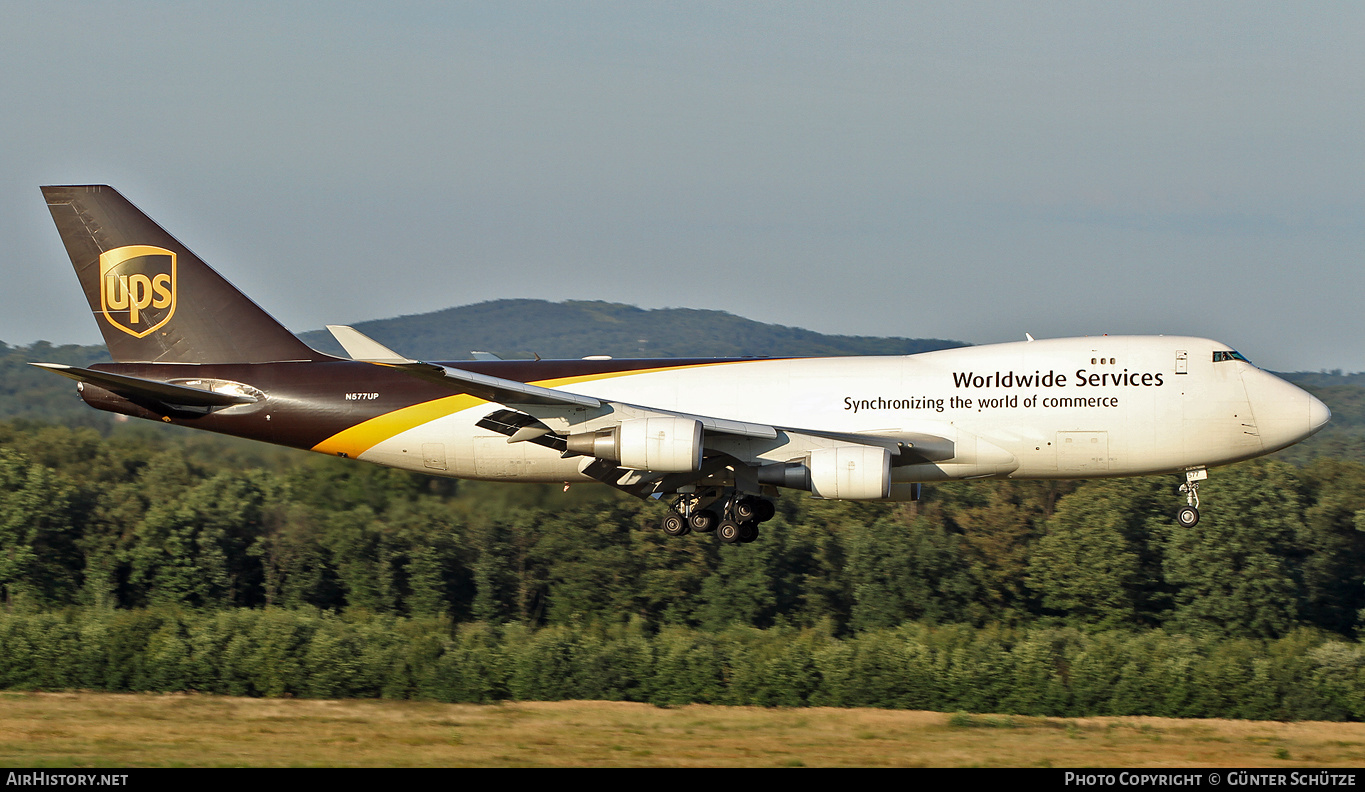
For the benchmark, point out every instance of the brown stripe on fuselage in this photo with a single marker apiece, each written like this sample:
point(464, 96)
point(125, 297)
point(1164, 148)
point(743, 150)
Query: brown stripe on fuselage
point(306, 403)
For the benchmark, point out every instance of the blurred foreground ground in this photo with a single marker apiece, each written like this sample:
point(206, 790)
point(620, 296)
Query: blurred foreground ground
point(140, 730)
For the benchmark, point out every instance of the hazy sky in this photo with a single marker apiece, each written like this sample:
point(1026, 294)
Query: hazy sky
point(957, 170)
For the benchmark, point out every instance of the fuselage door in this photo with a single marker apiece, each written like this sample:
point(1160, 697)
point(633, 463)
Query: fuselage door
point(434, 455)
point(1082, 452)
point(1182, 362)
point(495, 458)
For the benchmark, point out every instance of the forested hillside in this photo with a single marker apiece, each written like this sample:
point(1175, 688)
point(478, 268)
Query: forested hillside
point(131, 522)
point(138, 556)
point(143, 563)
point(525, 328)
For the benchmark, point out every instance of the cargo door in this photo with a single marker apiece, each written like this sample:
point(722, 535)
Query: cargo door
point(1082, 452)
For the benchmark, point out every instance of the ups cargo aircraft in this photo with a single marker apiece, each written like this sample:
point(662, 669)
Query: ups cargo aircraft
point(717, 437)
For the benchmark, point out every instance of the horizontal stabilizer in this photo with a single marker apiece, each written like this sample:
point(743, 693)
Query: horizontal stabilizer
point(136, 387)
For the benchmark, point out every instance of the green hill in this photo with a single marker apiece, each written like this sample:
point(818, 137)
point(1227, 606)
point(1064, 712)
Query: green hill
point(525, 328)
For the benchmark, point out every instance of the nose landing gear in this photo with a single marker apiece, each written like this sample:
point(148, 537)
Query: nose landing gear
point(1188, 515)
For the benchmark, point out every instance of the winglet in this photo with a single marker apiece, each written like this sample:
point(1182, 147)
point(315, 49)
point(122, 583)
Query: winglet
point(363, 348)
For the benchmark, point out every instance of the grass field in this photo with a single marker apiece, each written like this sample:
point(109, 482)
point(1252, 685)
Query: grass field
point(110, 730)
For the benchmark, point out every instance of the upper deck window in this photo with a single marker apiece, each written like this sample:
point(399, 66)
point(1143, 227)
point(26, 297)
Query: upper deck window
point(1219, 357)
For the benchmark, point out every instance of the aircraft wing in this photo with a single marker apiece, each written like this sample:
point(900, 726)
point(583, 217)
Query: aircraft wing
point(496, 389)
point(909, 446)
point(513, 393)
point(736, 450)
point(505, 391)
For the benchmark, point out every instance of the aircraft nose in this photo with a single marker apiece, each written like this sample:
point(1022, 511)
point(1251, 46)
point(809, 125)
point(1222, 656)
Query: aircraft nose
point(1318, 414)
point(1284, 413)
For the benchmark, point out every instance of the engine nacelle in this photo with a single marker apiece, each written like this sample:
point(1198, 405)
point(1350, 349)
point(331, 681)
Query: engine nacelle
point(851, 473)
point(667, 445)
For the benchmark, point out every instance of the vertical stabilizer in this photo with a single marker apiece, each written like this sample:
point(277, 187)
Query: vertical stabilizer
point(152, 298)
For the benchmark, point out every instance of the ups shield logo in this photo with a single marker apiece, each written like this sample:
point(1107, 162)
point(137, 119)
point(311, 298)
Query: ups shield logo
point(137, 288)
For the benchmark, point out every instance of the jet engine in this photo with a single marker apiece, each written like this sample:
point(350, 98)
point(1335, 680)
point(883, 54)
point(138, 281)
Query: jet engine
point(852, 472)
point(666, 444)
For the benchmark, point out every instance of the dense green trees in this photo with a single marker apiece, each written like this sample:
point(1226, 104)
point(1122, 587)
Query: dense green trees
point(1095, 562)
point(1331, 544)
point(127, 521)
point(1233, 572)
point(1056, 671)
point(39, 563)
point(148, 561)
point(143, 557)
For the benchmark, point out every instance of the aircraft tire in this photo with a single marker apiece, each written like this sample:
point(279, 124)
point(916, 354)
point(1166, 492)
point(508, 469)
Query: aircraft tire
point(728, 531)
point(703, 521)
point(766, 510)
point(1187, 516)
point(746, 509)
point(748, 532)
point(675, 524)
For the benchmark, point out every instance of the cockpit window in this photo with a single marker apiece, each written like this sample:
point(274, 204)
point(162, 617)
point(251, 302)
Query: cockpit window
point(1219, 357)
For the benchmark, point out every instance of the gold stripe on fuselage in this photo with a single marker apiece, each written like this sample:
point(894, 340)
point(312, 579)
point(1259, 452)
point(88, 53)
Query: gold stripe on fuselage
point(363, 436)
point(358, 439)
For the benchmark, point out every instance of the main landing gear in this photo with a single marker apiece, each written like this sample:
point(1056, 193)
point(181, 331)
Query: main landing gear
point(736, 522)
point(1188, 515)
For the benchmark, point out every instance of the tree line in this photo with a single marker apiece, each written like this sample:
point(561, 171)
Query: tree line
point(138, 520)
point(1037, 670)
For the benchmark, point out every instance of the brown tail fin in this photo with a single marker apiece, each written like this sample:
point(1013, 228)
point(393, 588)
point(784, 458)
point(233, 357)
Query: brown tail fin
point(153, 299)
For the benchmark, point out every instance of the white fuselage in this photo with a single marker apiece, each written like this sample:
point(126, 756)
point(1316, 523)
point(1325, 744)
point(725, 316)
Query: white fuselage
point(1060, 408)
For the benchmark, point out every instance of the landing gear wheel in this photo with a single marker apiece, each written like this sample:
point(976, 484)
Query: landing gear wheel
point(746, 509)
point(748, 532)
point(728, 531)
point(703, 521)
point(675, 524)
point(766, 510)
point(1188, 515)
